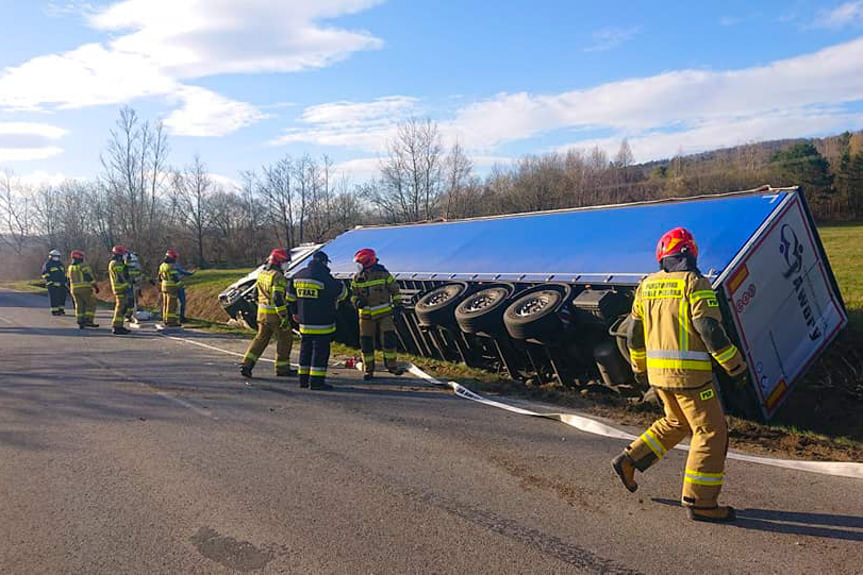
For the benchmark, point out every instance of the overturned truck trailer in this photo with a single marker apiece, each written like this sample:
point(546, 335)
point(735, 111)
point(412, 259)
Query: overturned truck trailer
point(545, 296)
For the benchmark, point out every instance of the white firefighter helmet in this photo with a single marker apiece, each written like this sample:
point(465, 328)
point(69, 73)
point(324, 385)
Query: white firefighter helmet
point(54, 254)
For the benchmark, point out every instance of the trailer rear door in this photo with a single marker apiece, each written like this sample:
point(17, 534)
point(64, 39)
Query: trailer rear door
point(784, 301)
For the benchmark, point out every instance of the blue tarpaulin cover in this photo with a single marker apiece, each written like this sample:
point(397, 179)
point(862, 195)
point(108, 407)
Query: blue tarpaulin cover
point(590, 245)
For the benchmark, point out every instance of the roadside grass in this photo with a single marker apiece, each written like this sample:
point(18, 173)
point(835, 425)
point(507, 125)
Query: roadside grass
point(844, 247)
point(29, 286)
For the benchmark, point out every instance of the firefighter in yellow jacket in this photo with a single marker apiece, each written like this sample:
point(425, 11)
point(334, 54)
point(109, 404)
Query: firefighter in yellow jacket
point(118, 273)
point(375, 294)
point(676, 330)
point(82, 284)
point(273, 317)
point(170, 283)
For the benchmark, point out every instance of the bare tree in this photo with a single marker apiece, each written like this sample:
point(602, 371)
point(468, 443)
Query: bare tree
point(411, 176)
point(133, 173)
point(17, 212)
point(276, 188)
point(192, 189)
point(458, 182)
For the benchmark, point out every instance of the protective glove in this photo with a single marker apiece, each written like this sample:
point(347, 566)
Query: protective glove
point(285, 324)
point(740, 378)
point(641, 378)
point(152, 282)
point(296, 318)
point(95, 289)
point(360, 303)
point(397, 310)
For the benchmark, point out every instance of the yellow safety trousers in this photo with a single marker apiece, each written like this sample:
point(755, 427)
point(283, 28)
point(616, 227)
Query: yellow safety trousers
point(695, 411)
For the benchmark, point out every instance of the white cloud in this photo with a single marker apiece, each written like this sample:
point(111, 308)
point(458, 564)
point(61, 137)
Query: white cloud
point(38, 179)
point(359, 169)
point(87, 76)
point(157, 44)
point(23, 141)
point(673, 101)
point(612, 37)
point(28, 154)
point(206, 113)
point(359, 125)
point(849, 13)
point(727, 132)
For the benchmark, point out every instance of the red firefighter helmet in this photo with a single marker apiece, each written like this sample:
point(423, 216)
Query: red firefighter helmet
point(77, 255)
point(118, 250)
point(279, 256)
point(367, 257)
point(172, 254)
point(676, 241)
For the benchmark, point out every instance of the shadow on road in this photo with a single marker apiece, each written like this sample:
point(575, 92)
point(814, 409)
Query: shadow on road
point(794, 522)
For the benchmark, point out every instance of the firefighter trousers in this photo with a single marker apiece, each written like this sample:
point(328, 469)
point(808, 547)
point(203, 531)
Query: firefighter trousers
point(121, 303)
point(85, 305)
point(369, 330)
point(57, 295)
point(170, 308)
point(699, 412)
point(314, 357)
point(268, 327)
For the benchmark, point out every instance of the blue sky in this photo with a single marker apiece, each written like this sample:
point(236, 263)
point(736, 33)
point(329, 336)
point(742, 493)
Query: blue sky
point(243, 83)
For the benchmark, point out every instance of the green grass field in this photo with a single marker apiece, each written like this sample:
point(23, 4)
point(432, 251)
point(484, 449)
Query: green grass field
point(844, 246)
point(221, 278)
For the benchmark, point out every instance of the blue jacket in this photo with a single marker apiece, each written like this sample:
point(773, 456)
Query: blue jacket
point(315, 293)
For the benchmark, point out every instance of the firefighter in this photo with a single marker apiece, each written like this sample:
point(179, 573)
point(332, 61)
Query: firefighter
point(676, 329)
point(171, 283)
point(118, 273)
point(375, 294)
point(315, 294)
point(82, 284)
point(54, 274)
point(273, 316)
point(181, 293)
point(137, 277)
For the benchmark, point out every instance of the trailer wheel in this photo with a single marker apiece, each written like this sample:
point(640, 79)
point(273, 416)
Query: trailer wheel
point(437, 306)
point(483, 311)
point(534, 315)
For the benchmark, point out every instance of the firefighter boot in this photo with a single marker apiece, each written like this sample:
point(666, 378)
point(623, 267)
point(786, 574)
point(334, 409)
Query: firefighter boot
point(120, 330)
point(718, 514)
point(624, 466)
point(246, 371)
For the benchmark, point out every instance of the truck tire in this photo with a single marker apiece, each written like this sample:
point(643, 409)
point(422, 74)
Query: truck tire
point(534, 314)
point(482, 311)
point(618, 330)
point(437, 307)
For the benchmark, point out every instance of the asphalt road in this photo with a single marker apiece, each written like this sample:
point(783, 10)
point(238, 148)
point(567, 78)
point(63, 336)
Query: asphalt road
point(141, 454)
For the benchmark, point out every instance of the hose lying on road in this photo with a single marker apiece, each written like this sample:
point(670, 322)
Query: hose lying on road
point(587, 425)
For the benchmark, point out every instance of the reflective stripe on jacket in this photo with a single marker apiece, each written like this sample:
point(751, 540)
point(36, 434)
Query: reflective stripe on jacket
point(316, 294)
point(169, 277)
point(118, 273)
point(675, 356)
point(54, 273)
point(377, 289)
point(81, 276)
point(272, 287)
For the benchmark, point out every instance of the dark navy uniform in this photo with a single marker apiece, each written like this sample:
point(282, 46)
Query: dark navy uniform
point(315, 294)
point(54, 274)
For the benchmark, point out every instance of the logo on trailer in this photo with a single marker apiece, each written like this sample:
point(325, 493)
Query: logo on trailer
point(792, 250)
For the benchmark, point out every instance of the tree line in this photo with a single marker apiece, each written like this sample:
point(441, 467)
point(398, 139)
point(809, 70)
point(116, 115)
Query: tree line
point(140, 200)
